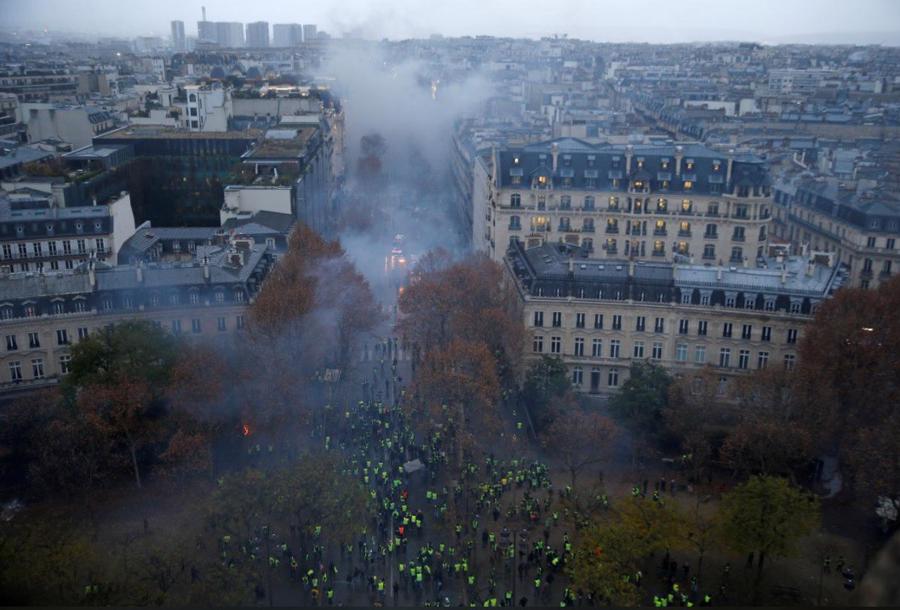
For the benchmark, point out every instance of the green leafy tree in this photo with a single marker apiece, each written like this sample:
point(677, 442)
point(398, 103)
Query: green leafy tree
point(767, 516)
point(643, 396)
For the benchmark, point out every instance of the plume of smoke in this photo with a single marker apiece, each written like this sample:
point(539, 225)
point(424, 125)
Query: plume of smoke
point(414, 108)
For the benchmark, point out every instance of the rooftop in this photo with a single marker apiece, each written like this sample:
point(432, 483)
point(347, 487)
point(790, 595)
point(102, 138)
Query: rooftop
point(283, 143)
point(140, 132)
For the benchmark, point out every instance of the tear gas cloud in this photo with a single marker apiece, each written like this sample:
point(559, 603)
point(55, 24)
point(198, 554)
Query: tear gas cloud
point(413, 108)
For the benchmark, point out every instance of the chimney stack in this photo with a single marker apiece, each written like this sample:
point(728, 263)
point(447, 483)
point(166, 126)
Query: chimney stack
point(719, 274)
point(92, 275)
point(554, 154)
point(679, 155)
point(206, 269)
point(140, 272)
point(571, 266)
point(629, 153)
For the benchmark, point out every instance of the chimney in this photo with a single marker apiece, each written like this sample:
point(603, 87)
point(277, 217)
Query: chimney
point(495, 162)
point(92, 276)
point(206, 269)
point(554, 154)
point(203, 8)
point(679, 155)
point(809, 268)
point(783, 276)
point(730, 167)
point(629, 153)
point(719, 274)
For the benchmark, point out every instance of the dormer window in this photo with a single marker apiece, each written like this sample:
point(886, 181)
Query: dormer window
point(716, 165)
point(50, 228)
point(79, 227)
point(640, 163)
point(515, 160)
point(688, 185)
point(664, 164)
point(98, 227)
point(542, 180)
point(689, 165)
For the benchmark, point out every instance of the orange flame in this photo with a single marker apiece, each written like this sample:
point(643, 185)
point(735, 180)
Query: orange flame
point(245, 429)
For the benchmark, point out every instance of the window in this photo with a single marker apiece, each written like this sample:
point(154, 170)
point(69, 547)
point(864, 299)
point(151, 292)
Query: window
point(555, 345)
point(15, 371)
point(749, 302)
point(579, 320)
point(700, 354)
point(65, 364)
point(701, 328)
point(62, 337)
point(597, 348)
point(34, 340)
point(176, 327)
point(37, 368)
point(730, 301)
point(870, 242)
point(795, 306)
point(220, 324)
point(598, 321)
point(656, 354)
point(789, 361)
point(613, 378)
point(638, 349)
point(6, 313)
point(238, 296)
point(683, 326)
point(762, 360)
point(579, 346)
point(737, 254)
point(589, 203)
point(193, 297)
point(614, 346)
point(11, 343)
point(195, 326)
point(239, 321)
point(704, 298)
point(724, 357)
point(173, 298)
point(101, 245)
point(617, 322)
point(889, 243)
point(792, 335)
point(659, 325)
point(220, 296)
point(539, 318)
point(681, 352)
point(537, 344)
point(886, 267)
point(557, 319)
point(577, 376)
point(67, 247)
point(744, 359)
point(686, 297)
point(746, 331)
point(726, 329)
point(82, 248)
point(640, 323)
point(766, 333)
point(82, 333)
point(515, 200)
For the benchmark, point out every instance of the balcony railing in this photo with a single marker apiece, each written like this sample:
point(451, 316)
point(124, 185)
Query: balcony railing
point(712, 235)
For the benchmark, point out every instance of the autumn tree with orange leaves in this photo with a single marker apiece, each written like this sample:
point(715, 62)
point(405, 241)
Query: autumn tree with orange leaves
point(465, 320)
point(848, 386)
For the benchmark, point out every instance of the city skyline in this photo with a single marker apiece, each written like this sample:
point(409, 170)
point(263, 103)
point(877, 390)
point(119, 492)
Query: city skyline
point(871, 22)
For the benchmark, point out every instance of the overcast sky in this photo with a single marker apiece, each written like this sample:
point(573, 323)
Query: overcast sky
point(774, 21)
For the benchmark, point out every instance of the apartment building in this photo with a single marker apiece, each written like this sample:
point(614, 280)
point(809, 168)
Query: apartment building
point(654, 202)
point(600, 315)
point(859, 229)
point(38, 238)
point(258, 34)
point(41, 318)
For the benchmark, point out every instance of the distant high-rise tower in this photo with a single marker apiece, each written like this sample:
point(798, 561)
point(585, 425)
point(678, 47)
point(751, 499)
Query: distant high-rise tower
point(287, 34)
point(258, 34)
point(309, 32)
point(230, 34)
point(179, 43)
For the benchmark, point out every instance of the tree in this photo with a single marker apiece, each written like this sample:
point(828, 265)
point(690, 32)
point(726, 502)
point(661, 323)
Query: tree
point(643, 396)
point(580, 439)
point(697, 409)
point(768, 438)
point(118, 380)
point(766, 516)
point(848, 385)
point(546, 379)
point(603, 556)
